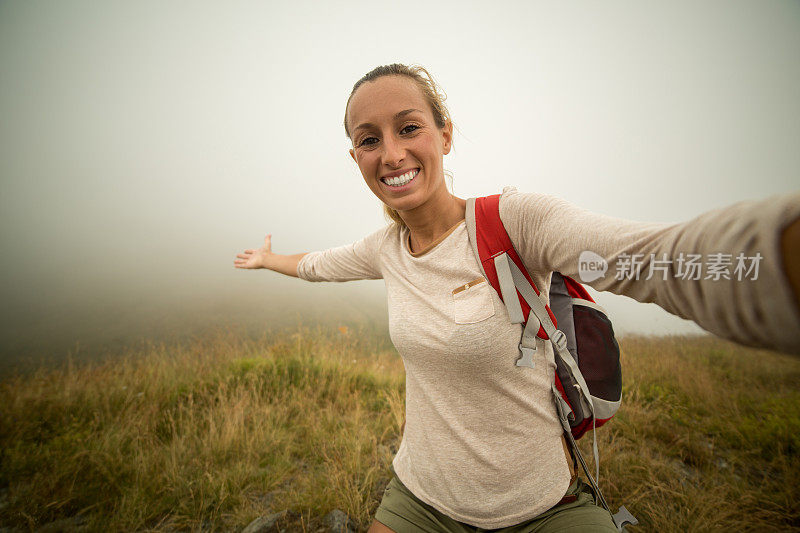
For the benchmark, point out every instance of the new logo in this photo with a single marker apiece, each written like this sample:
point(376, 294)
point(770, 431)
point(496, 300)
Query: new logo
point(591, 266)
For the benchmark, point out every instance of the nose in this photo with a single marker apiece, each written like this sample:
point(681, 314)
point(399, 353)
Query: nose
point(393, 152)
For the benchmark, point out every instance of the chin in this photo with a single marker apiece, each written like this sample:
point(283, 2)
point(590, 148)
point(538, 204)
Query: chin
point(405, 204)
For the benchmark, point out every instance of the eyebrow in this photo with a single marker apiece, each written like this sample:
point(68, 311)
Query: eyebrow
point(367, 125)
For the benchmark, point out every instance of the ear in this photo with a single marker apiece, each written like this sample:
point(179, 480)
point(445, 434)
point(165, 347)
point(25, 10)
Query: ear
point(353, 155)
point(447, 136)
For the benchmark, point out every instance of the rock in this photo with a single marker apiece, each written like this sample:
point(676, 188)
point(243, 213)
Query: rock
point(686, 472)
point(265, 524)
point(339, 522)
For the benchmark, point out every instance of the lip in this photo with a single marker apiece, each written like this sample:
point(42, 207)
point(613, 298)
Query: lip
point(408, 185)
point(399, 173)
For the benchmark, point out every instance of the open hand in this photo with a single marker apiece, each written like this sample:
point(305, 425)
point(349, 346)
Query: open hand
point(254, 258)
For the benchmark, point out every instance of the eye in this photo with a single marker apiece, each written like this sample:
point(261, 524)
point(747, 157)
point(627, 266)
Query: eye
point(366, 141)
point(410, 128)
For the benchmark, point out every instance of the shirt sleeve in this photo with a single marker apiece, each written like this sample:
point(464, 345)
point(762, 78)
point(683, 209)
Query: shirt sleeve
point(359, 260)
point(723, 269)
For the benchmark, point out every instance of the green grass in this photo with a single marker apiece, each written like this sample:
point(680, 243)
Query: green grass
point(209, 434)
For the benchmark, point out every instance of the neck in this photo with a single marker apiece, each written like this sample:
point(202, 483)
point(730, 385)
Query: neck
point(432, 219)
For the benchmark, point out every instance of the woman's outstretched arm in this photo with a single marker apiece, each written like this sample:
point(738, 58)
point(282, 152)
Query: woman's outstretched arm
point(264, 258)
point(358, 260)
point(732, 270)
point(790, 247)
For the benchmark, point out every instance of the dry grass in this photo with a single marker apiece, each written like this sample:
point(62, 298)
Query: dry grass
point(208, 435)
point(708, 438)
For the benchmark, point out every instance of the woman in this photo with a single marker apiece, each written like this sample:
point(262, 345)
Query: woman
point(482, 446)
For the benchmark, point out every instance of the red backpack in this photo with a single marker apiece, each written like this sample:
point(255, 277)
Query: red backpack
point(587, 385)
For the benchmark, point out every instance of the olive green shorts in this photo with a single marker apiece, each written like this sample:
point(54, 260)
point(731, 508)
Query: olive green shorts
point(403, 512)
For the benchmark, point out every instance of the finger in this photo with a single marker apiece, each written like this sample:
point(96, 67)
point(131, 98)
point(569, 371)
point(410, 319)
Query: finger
point(244, 255)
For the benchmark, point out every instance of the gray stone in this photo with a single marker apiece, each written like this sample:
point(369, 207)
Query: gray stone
point(339, 522)
point(686, 473)
point(265, 524)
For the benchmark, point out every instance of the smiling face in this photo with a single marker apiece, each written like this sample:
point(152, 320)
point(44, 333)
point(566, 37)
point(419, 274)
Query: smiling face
point(396, 143)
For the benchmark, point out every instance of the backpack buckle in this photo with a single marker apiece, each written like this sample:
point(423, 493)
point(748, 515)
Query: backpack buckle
point(623, 518)
point(527, 356)
point(559, 339)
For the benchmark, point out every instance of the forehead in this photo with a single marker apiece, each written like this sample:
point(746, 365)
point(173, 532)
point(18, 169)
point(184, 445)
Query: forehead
point(382, 98)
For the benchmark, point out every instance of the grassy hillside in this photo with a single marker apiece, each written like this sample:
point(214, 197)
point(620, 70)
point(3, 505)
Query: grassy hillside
point(211, 433)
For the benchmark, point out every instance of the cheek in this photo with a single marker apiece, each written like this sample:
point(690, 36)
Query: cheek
point(367, 168)
point(427, 146)
point(363, 157)
point(365, 164)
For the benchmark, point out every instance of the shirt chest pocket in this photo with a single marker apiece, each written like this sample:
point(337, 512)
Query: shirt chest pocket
point(472, 302)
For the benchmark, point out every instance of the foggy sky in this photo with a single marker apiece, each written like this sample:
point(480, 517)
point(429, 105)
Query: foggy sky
point(144, 144)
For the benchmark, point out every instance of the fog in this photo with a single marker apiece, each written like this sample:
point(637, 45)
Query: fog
point(144, 144)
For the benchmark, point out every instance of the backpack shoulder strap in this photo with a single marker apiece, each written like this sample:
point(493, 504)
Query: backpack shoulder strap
point(471, 232)
point(490, 242)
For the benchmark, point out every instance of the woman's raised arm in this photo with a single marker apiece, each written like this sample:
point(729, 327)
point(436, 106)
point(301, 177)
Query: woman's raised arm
point(732, 270)
point(264, 258)
point(790, 248)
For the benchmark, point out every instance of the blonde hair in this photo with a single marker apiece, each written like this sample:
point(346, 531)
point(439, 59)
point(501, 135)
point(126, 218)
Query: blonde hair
point(432, 93)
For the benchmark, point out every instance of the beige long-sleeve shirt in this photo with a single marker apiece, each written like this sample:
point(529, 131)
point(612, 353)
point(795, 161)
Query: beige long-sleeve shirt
point(482, 441)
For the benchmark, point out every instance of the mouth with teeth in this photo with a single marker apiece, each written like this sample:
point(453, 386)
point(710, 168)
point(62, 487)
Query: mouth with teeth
point(401, 180)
